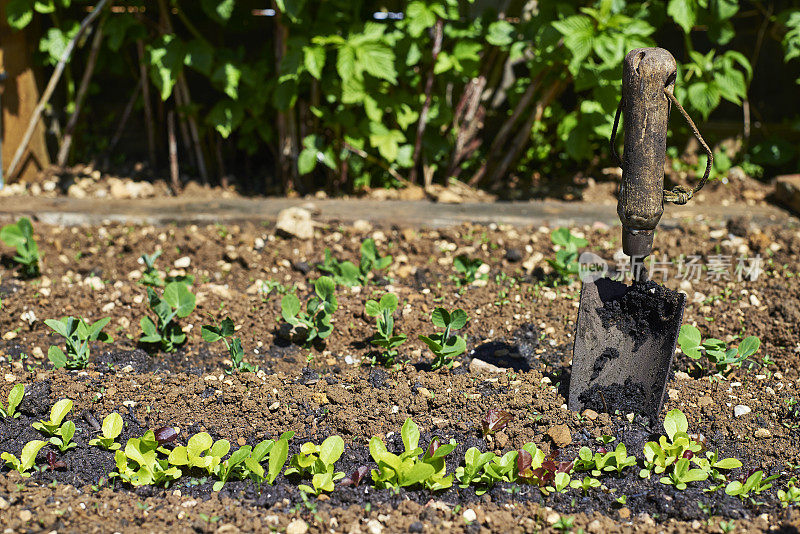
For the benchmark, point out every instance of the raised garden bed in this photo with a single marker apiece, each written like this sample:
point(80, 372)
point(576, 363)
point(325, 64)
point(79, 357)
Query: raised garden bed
point(518, 349)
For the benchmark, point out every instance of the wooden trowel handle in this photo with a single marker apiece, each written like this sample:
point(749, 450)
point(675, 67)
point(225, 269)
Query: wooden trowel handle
point(646, 74)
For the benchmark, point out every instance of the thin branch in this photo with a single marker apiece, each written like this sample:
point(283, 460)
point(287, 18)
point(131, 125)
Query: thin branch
point(438, 33)
point(51, 85)
point(148, 111)
point(173, 153)
point(126, 113)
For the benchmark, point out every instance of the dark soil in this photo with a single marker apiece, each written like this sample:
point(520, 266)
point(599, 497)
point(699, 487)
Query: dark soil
point(526, 329)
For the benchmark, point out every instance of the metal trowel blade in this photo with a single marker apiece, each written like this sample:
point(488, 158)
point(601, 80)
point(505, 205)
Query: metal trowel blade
point(624, 344)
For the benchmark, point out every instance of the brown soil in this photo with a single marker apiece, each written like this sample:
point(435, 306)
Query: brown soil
point(93, 272)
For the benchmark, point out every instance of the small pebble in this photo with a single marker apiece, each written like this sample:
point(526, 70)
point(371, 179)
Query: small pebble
point(297, 526)
point(470, 515)
point(763, 433)
point(183, 263)
point(740, 410)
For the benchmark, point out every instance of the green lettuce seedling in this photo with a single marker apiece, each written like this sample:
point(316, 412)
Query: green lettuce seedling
point(57, 413)
point(246, 462)
point(347, 273)
point(20, 236)
point(385, 337)
point(467, 269)
point(660, 456)
point(446, 345)
point(791, 495)
point(316, 459)
point(755, 483)
point(63, 437)
point(315, 322)
point(321, 482)
point(14, 398)
point(723, 358)
point(223, 332)
point(77, 333)
point(27, 457)
point(503, 468)
point(681, 475)
point(231, 465)
point(407, 469)
point(201, 452)
point(585, 484)
point(177, 301)
point(472, 472)
point(112, 428)
point(143, 463)
point(566, 261)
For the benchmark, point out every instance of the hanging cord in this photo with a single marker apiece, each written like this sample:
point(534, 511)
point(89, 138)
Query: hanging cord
point(679, 194)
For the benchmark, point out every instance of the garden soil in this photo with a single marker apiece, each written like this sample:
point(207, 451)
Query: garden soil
point(519, 340)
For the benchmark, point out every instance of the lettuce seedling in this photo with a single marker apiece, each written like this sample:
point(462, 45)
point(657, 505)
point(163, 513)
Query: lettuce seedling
point(315, 322)
point(724, 359)
point(14, 398)
point(20, 236)
point(54, 462)
point(472, 472)
point(78, 333)
point(27, 457)
point(201, 452)
point(660, 456)
point(57, 413)
point(63, 437)
point(144, 462)
point(231, 465)
point(385, 338)
point(566, 260)
point(177, 301)
point(467, 269)
point(503, 468)
point(495, 421)
point(618, 460)
point(711, 464)
point(316, 459)
point(585, 484)
point(446, 346)
point(791, 495)
point(354, 478)
point(223, 332)
point(682, 475)
point(755, 483)
point(321, 482)
point(407, 469)
point(112, 428)
point(347, 273)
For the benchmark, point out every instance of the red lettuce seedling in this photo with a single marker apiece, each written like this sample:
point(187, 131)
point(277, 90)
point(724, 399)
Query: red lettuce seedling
point(166, 434)
point(355, 477)
point(495, 421)
point(54, 461)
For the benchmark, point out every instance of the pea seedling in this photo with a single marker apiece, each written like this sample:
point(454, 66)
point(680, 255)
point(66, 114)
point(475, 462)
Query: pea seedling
point(446, 346)
point(723, 358)
point(315, 322)
point(20, 236)
point(77, 333)
point(385, 338)
point(223, 332)
point(177, 301)
point(566, 260)
point(347, 273)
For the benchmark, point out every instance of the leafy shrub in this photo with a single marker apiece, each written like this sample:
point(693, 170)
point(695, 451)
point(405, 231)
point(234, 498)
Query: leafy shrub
point(385, 337)
point(20, 236)
point(446, 345)
point(15, 396)
point(315, 322)
point(348, 274)
point(177, 301)
point(223, 332)
point(77, 333)
point(723, 359)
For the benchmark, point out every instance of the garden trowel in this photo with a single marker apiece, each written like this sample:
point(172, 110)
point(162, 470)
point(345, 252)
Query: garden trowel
point(626, 334)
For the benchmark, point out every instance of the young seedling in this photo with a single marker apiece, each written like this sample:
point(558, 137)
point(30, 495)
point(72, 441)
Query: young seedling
point(201, 452)
point(223, 332)
point(144, 462)
point(755, 483)
point(321, 482)
point(232, 465)
point(20, 236)
point(78, 334)
point(315, 322)
point(27, 457)
point(63, 437)
point(677, 444)
point(446, 346)
point(385, 337)
point(467, 269)
point(585, 485)
point(317, 459)
point(407, 469)
point(566, 261)
point(682, 475)
point(177, 301)
point(495, 421)
point(723, 359)
point(791, 495)
point(57, 414)
point(347, 273)
point(151, 277)
point(111, 429)
point(14, 398)
point(472, 472)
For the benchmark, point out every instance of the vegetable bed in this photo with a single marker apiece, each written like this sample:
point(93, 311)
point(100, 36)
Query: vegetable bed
point(406, 380)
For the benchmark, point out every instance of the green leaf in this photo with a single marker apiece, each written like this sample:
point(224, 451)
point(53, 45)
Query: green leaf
point(210, 333)
point(277, 457)
point(325, 289)
point(225, 117)
point(420, 472)
point(675, 422)
point(166, 63)
point(704, 97)
point(219, 10)
point(19, 13)
point(227, 76)
point(199, 56)
point(177, 295)
point(112, 425)
point(293, 8)
point(389, 302)
point(501, 33)
point(290, 307)
point(440, 317)
point(372, 308)
point(418, 17)
point(331, 450)
point(749, 346)
point(314, 60)
point(684, 13)
point(458, 318)
point(14, 398)
point(410, 434)
point(29, 452)
point(728, 463)
point(386, 141)
point(60, 327)
point(377, 59)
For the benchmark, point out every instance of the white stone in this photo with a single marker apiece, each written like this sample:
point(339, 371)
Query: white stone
point(295, 222)
point(182, 263)
point(740, 410)
point(297, 526)
point(470, 515)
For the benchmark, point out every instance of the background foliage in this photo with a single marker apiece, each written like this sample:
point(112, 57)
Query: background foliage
point(346, 94)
